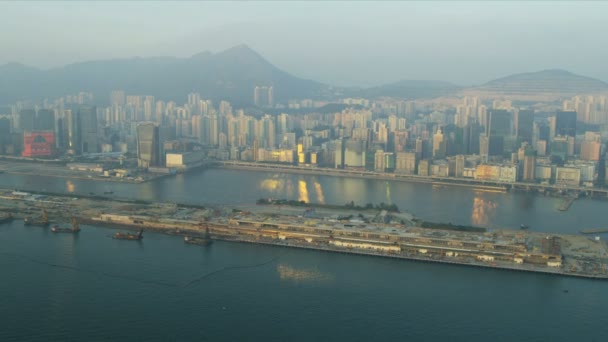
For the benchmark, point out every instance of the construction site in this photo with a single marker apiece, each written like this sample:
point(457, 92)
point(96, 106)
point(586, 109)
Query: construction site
point(368, 232)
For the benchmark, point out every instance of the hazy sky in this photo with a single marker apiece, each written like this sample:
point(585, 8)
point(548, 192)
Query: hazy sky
point(342, 43)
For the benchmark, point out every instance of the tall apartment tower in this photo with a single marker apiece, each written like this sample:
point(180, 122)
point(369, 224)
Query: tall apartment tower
point(148, 145)
point(524, 125)
point(529, 170)
point(565, 123)
point(263, 96)
point(117, 98)
point(27, 117)
point(498, 127)
point(71, 129)
point(88, 129)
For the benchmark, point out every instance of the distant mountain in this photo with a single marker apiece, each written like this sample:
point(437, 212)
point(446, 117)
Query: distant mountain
point(554, 81)
point(408, 89)
point(232, 75)
point(229, 75)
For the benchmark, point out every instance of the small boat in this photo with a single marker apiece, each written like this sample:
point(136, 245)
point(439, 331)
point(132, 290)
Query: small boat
point(75, 228)
point(43, 221)
point(523, 226)
point(129, 236)
point(202, 241)
point(108, 192)
point(198, 240)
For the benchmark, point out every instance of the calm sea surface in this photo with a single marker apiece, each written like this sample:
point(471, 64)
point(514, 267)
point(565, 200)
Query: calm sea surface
point(91, 287)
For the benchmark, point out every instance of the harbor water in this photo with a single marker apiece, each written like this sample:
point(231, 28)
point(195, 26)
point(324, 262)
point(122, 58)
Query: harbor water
point(92, 287)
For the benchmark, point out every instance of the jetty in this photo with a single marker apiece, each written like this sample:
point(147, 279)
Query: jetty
point(566, 203)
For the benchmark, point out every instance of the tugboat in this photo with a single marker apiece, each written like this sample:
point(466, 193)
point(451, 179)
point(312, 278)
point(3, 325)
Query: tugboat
point(129, 236)
point(72, 230)
point(201, 241)
point(43, 221)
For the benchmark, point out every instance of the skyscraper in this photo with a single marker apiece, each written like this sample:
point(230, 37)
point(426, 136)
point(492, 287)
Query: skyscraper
point(529, 171)
point(71, 123)
point(439, 145)
point(565, 123)
point(88, 129)
point(148, 145)
point(524, 125)
point(497, 128)
point(45, 120)
point(5, 134)
point(26, 120)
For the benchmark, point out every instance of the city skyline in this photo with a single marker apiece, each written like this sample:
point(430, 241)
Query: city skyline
point(466, 43)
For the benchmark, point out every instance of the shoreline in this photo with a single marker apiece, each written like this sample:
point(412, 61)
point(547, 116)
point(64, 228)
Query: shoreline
point(551, 189)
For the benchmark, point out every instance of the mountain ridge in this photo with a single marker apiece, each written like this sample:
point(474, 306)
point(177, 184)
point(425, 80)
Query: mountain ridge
point(233, 73)
point(229, 75)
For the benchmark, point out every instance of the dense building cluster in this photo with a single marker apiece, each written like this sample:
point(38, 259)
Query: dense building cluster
point(467, 137)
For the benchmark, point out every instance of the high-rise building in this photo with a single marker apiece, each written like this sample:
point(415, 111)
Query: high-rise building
point(72, 136)
point(88, 129)
point(45, 120)
point(149, 107)
point(439, 145)
point(484, 144)
point(379, 161)
point(565, 123)
point(27, 117)
point(354, 153)
point(524, 125)
point(529, 170)
point(405, 162)
point(459, 166)
point(148, 145)
point(117, 98)
point(562, 146)
point(590, 150)
point(497, 128)
point(263, 96)
point(38, 144)
point(5, 134)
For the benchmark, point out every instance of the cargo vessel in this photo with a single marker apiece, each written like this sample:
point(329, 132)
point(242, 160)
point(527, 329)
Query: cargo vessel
point(129, 236)
point(75, 228)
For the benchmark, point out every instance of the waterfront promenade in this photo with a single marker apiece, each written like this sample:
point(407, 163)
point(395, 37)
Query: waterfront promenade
point(60, 171)
point(451, 181)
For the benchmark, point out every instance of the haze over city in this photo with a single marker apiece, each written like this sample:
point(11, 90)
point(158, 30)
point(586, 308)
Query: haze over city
point(339, 43)
point(303, 171)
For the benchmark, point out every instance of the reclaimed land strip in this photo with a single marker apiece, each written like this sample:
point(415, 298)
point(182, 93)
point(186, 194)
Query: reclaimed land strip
point(371, 233)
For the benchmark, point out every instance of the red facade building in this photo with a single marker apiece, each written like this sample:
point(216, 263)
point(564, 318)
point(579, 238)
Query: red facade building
point(38, 144)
